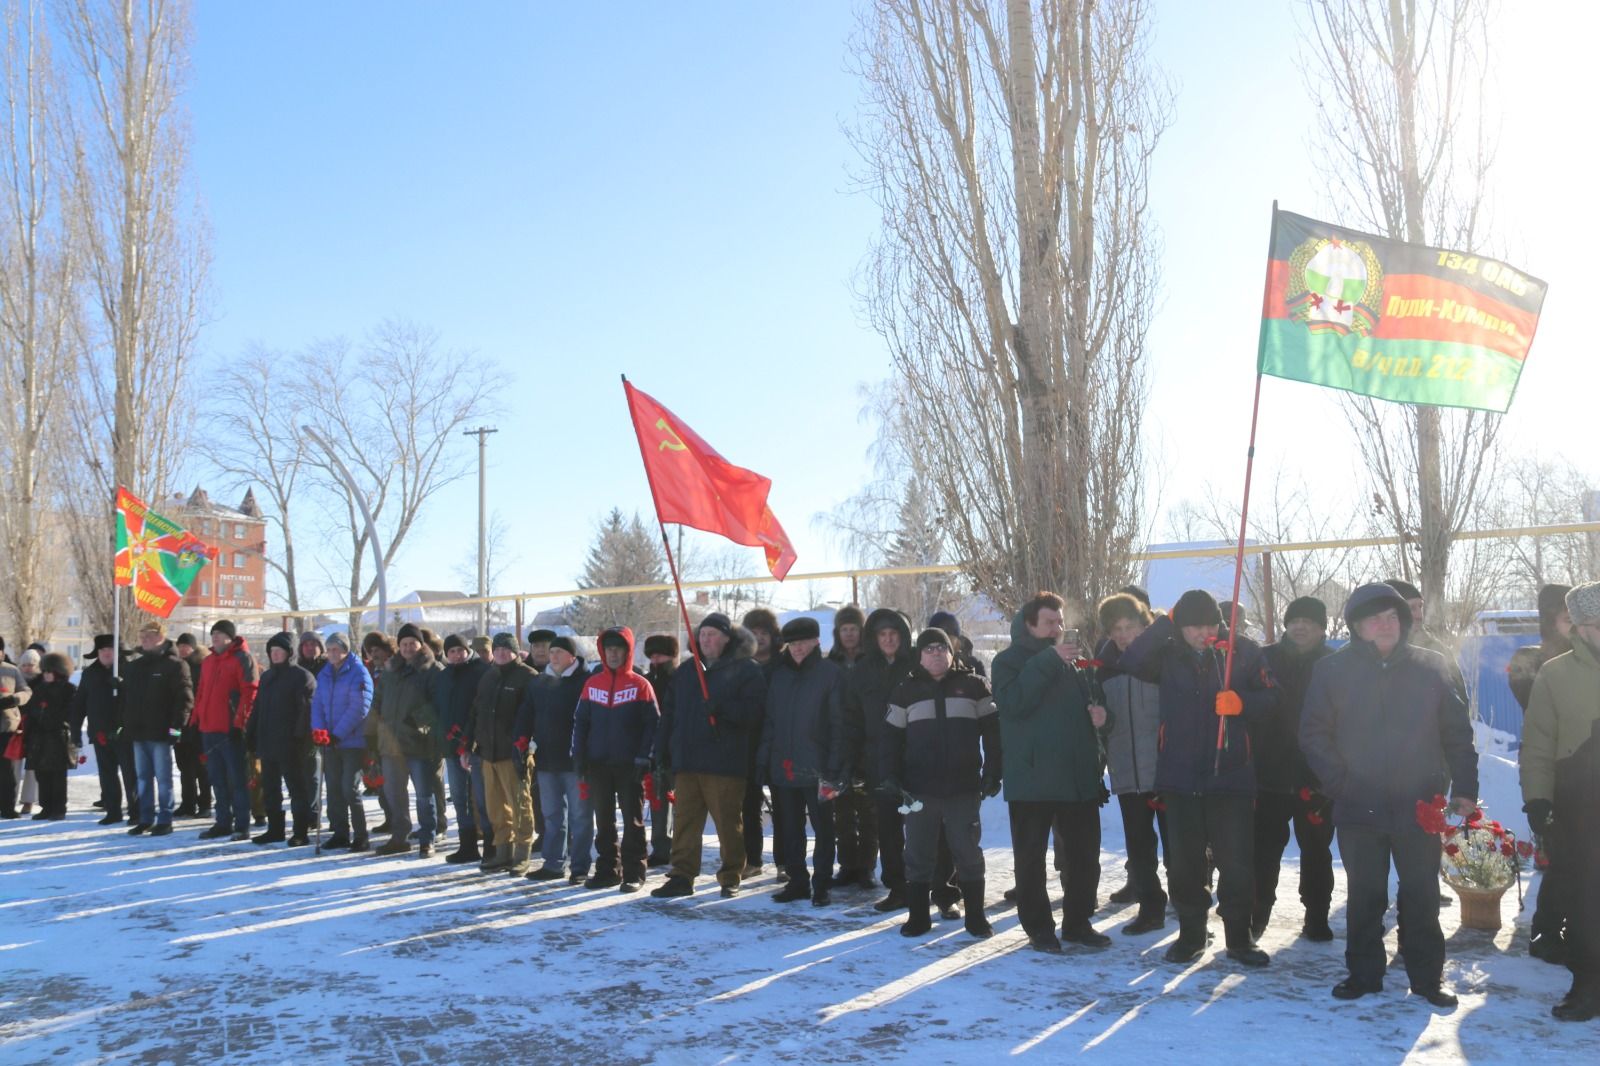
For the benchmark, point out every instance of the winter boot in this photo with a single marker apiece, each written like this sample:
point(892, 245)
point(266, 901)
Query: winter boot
point(360, 843)
point(274, 833)
point(301, 835)
point(397, 845)
point(1580, 1004)
point(1085, 934)
point(519, 860)
point(1259, 922)
point(1548, 947)
point(894, 901)
point(498, 859)
point(1152, 916)
point(673, 888)
point(1191, 942)
point(466, 849)
point(1128, 893)
point(216, 832)
point(977, 922)
point(917, 920)
point(113, 818)
point(792, 891)
point(1242, 946)
point(1315, 928)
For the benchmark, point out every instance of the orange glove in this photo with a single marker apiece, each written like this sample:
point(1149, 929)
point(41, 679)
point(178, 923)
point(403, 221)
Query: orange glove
point(1229, 704)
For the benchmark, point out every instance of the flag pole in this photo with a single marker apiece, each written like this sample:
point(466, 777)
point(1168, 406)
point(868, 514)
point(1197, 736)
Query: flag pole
point(666, 544)
point(1244, 510)
point(116, 598)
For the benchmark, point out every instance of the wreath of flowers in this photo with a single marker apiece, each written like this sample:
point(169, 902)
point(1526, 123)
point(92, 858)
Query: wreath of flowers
point(1478, 854)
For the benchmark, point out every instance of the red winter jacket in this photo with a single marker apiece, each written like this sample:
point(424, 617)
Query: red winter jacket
point(227, 689)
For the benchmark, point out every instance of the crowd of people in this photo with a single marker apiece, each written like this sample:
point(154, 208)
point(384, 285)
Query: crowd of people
point(875, 757)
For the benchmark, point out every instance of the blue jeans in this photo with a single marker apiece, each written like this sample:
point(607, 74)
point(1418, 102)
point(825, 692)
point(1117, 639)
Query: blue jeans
point(567, 817)
point(152, 760)
point(460, 795)
point(229, 784)
point(341, 772)
point(397, 771)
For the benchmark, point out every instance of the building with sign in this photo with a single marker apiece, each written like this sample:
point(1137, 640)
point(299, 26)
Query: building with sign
point(237, 580)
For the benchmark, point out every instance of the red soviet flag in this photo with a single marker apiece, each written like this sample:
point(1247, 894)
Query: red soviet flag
point(694, 486)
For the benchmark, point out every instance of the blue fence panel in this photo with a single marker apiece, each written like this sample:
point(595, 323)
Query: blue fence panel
point(1483, 663)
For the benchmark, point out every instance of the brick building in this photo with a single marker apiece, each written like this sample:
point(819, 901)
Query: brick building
point(237, 580)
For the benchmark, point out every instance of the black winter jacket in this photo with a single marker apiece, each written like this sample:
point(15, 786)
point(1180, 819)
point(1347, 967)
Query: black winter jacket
point(546, 717)
point(157, 695)
point(1280, 764)
point(866, 695)
point(802, 736)
point(942, 737)
point(279, 729)
point(688, 741)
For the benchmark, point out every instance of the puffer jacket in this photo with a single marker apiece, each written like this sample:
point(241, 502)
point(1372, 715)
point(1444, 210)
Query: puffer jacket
point(617, 715)
point(548, 713)
point(457, 694)
point(227, 689)
point(1055, 752)
point(96, 701)
point(403, 717)
point(51, 737)
point(942, 737)
point(1380, 734)
point(1189, 681)
point(1280, 765)
point(156, 695)
point(688, 740)
point(493, 731)
point(279, 729)
point(866, 695)
point(1135, 737)
point(1563, 711)
point(802, 735)
point(341, 701)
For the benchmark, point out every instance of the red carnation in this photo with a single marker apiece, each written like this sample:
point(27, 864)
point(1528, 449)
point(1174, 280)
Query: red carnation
point(1508, 849)
point(1305, 793)
point(788, 769)
point(583, 791)
point(1524, 848)
point(1314, 818)
point(1452, 849)
point(1449, 831)
point(1155, 803)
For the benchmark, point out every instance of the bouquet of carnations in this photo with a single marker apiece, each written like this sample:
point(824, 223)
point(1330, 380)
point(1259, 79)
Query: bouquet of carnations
point(1478, 854)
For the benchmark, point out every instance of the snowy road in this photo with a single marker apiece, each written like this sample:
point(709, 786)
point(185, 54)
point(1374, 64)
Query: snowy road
point(119, 949)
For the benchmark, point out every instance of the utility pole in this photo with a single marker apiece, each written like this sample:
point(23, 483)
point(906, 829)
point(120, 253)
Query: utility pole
point(482, 433)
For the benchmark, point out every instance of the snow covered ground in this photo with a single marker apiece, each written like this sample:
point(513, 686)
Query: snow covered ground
point(122, 949)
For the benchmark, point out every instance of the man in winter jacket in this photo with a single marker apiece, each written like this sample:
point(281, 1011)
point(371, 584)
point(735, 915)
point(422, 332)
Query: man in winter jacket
point(1131, 747)
point(544, 727)
point(612, 737)
point(156, 702)
point(889, 660)
point(1053, 725)
point(222, 707)
point(947, 623)
point(1385, 726)
point(1287, 791)
point(761, 624)
point(703, 745)
point(1548, 936)
point(195, 782)
point(503, 762)
point(401, 725)
point(855, 826)
point(95, 701)
point(1560, 769)
point(801, 755)
point(51, 734)
point(279, 732)
point(661, 652)
point(942, 749)
point(1204, 771)
point(458, 688)
point(339, 706)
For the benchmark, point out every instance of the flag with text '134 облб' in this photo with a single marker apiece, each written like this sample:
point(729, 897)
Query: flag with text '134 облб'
point(1397, 321)
point(696, 487)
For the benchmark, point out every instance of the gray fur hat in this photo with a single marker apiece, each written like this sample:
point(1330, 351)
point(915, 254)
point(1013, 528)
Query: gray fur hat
point(1583, 603)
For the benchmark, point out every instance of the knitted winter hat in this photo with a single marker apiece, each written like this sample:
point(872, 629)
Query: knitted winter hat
point(802, 628)
point(1552, 601)
point(338, 640)
point(718, 621)
point(1406, 589)
point(30, 658)
point(1196, 607)
point(507, 641)
point(1308, 607)
point(946, 621)
point(224, 627)
point(932, 637)
point(310, 637)
point(408, 630)
point(187, 639)
point(655, 644)
point(281, 640)
point(481, 646)
point(570, 646)
point(455, 640)
point(1583, 603)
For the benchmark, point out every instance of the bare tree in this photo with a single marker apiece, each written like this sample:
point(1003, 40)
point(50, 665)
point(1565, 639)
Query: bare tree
point(38, 308)
point(145, 261)
point(498, 557)
point(1538, 491)
point(1008, 147)
point(393, 407)
point(251, 439)
point(1406, 153)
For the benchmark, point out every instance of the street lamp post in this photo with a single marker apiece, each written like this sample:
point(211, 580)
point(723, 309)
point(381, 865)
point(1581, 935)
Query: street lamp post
point(482, 433)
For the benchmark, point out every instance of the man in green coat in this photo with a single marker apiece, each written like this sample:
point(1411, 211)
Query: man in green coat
point(1051, 729)
point(401, 725)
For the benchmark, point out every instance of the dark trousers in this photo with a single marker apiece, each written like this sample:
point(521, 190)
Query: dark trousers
point(660, 813)
point(52, 791)
point(891, 839)
point(1554, 901)
point(794, 806)
point(1367, 853)
point(8, 780)
point(755, 841)
point(1144, 831)
point(611, 787)
point(110, 771)
point(1225, 824)
point(856, 830)
point(1275, 813)
point(275, 777)
point(1077, 835)
point(193, 782)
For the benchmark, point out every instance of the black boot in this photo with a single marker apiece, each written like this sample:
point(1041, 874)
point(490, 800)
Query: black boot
point(1316, 928)
point(895, 900)
point(917, 920)
point(1258, 923)
point(1152, 916)
point(301, 835)
point(466, 850)
point(1128, 893)
point(1242, 946)
point(972, 898)
point(1191, 942)
point(274, 833)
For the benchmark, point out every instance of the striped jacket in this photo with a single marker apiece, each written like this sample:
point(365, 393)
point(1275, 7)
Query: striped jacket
point(943, 737)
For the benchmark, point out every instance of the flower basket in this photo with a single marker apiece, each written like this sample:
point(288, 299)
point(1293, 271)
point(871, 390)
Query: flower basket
point(1480, 907)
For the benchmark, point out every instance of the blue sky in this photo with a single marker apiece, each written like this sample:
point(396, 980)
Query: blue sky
point(579, 191)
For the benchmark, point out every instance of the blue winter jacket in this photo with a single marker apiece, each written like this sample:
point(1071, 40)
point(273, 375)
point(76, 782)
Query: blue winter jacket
point(340, 702)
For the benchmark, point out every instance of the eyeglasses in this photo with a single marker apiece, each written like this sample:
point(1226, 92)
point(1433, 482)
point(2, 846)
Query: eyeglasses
point(937, 649)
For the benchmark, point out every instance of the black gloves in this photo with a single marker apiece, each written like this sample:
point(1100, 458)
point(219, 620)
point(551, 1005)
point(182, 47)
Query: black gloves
point(991, 785)
point(1541, 816)
point(8, 701)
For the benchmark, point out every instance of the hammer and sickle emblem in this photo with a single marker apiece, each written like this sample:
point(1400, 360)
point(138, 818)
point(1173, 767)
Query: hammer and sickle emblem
point(675, 443)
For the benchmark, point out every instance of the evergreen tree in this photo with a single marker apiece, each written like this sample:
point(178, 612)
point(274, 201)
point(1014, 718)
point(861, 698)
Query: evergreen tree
point(625, 552)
